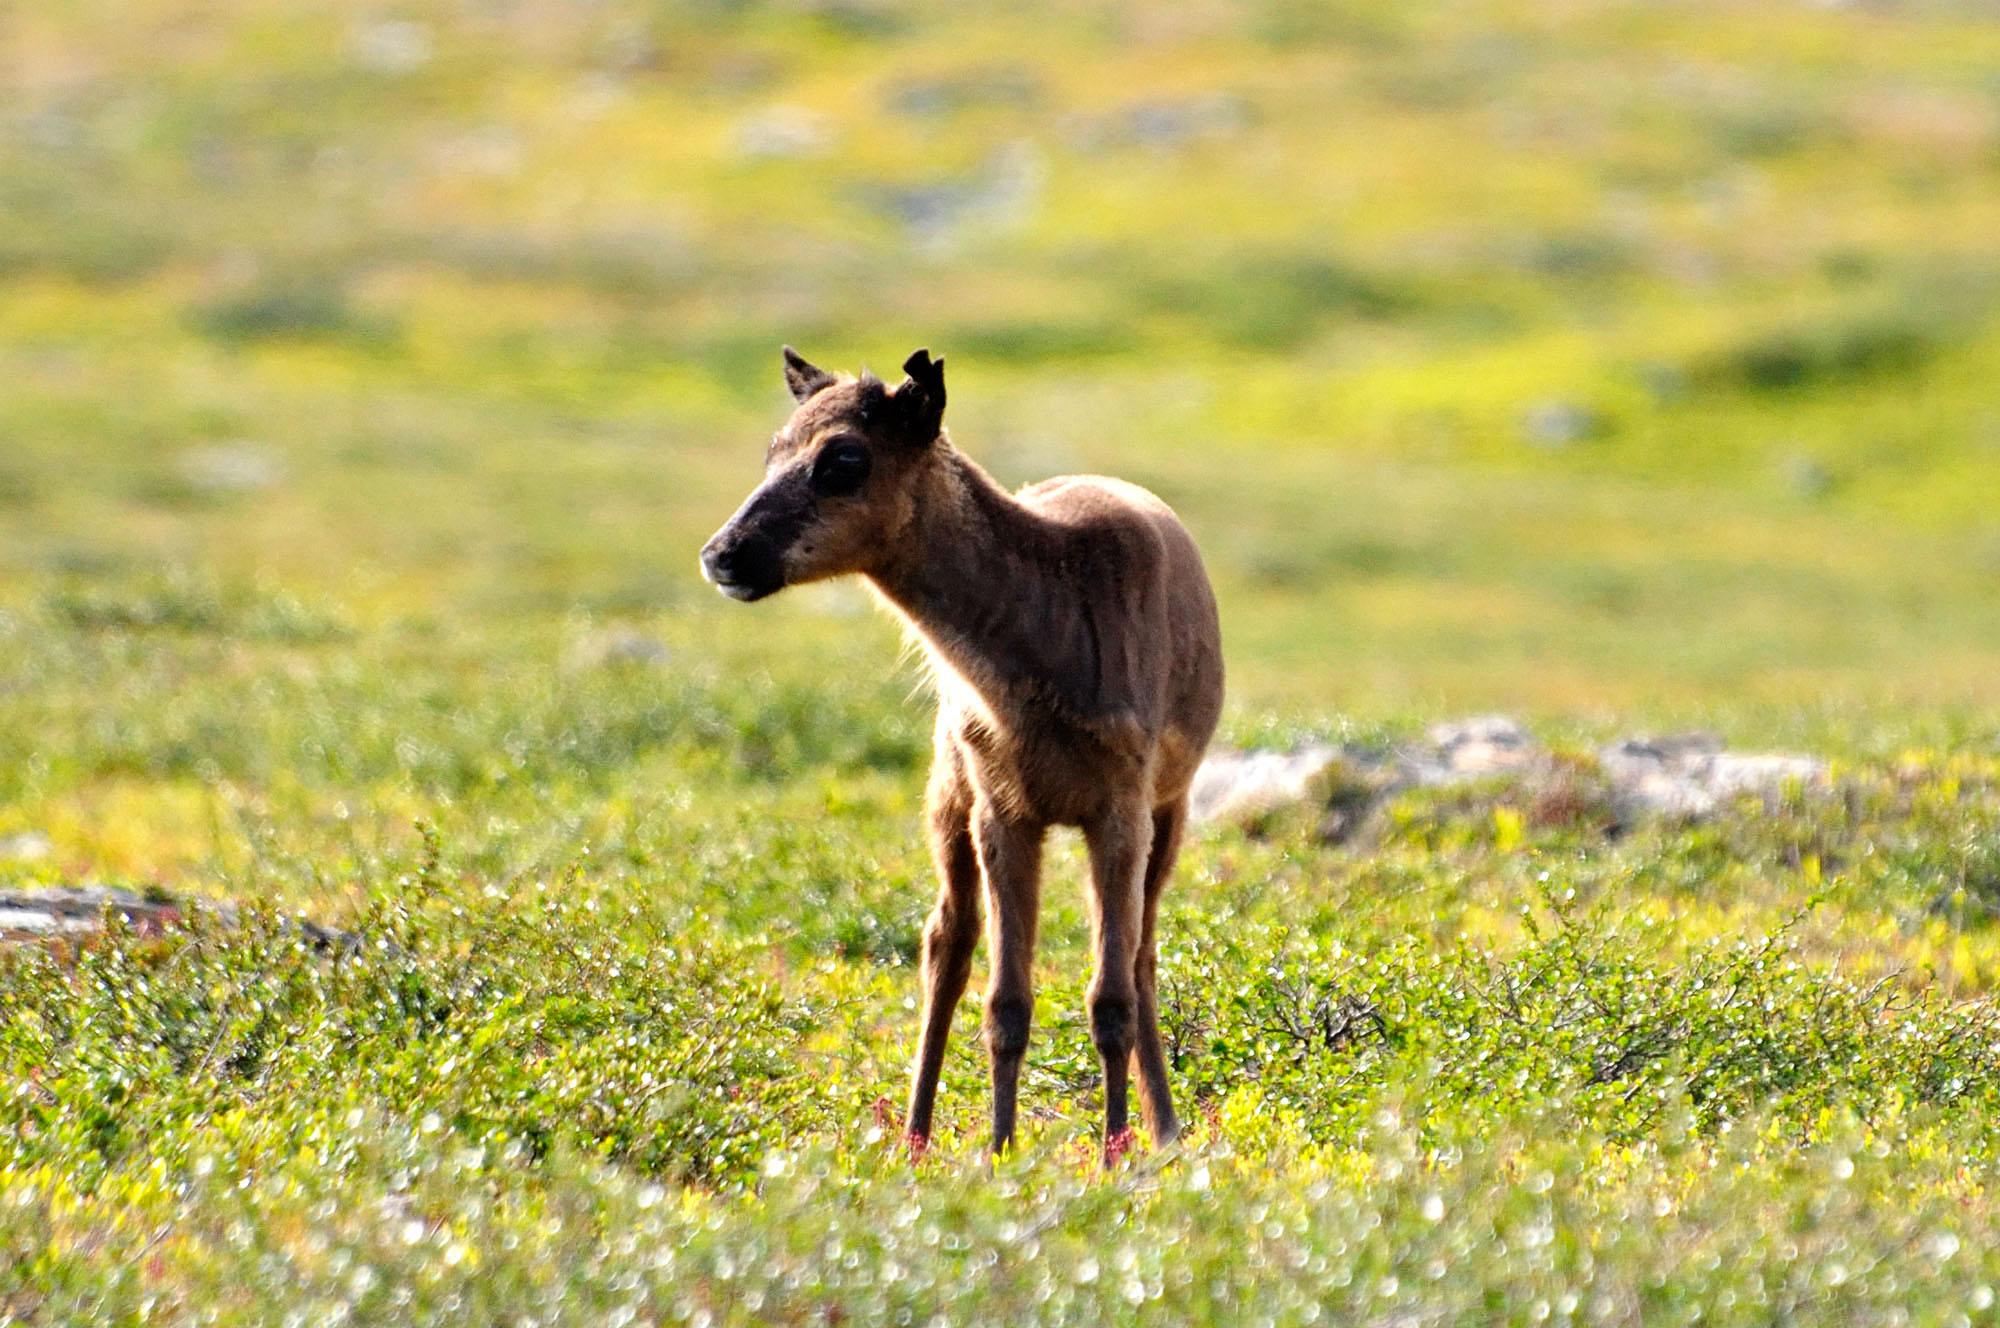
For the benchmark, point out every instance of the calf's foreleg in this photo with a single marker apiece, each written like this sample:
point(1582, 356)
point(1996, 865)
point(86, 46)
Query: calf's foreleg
point(949, 937)
point(1010, 863)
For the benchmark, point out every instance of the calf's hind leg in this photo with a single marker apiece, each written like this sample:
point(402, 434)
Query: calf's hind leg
point(1118, 842)
point(1156, 1099)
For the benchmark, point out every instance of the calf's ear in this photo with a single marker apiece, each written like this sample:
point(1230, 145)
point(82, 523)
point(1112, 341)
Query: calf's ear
point(804, 378)
point(921, 394)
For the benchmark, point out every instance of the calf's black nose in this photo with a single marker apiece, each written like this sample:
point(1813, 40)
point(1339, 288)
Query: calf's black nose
point(743, 569)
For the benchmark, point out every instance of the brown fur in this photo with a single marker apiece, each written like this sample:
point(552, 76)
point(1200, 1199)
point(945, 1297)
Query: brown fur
point(1073, 639)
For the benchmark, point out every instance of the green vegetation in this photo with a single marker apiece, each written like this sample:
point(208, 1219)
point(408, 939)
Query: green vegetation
point(373, 373)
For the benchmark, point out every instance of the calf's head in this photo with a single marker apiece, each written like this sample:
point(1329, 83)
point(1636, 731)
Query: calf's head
point(840, 479)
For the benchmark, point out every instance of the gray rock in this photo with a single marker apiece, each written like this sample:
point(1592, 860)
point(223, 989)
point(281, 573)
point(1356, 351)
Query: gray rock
point(1560, 423)
point(1686, 775)
point(1805, 476)
point(1233, 785)
point(1464, 750)
point(614, 647)
point(782, 133)
point(15, 922)
point(391, 46)
point(1690, 775)
point(70, 909)
point(1159, 124)
point(231, 469)
point(49, 912)
point(1002, 193)
point(1013, 89)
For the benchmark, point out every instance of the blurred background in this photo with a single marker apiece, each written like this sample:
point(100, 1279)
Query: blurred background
point(370, 367)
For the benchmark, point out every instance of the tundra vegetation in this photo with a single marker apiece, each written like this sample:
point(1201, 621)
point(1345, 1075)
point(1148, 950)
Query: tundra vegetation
point(373, 373)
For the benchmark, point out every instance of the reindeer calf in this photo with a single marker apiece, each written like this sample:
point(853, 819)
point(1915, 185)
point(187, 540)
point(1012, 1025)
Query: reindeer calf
point(1073, 639)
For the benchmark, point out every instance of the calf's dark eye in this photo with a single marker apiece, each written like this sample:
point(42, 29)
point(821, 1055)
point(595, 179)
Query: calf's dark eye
point(840, 470)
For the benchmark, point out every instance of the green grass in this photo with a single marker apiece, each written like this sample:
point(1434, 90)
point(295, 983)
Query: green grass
point(372, 376)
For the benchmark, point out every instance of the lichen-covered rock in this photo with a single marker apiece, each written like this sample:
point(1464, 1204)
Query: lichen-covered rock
point(1684, 775)
point(1690, 775)
point(1478, 748)
point(64, 910)
point(57, 912)
point(1233, 785)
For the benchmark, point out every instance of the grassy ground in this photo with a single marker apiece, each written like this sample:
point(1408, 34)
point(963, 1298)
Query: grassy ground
point(373, 374)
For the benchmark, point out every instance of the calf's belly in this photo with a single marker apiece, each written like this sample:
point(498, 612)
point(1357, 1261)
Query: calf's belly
point(1061, 777)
